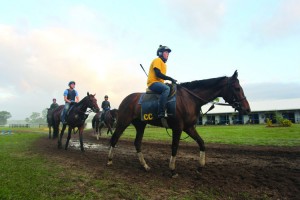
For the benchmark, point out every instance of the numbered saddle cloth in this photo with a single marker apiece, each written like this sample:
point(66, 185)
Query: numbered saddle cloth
point(150, 105)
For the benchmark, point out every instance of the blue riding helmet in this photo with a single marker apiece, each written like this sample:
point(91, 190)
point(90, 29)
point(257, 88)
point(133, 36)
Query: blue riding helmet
point(71, 82)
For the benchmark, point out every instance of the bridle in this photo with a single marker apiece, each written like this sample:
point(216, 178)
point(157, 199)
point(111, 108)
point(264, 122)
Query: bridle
point(92, 108)
point(236, 102)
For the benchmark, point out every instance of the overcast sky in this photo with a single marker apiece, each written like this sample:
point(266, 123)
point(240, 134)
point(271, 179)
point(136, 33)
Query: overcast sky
point(99, 44)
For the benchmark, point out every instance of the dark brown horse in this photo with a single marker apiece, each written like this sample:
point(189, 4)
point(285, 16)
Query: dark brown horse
point(110, 117)
point(76, 118)
point(49, 121)
point(96, 122)
point(190, 97)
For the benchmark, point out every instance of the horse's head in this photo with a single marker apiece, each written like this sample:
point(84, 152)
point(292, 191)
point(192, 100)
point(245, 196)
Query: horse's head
point(235, 96)
point(92, 102)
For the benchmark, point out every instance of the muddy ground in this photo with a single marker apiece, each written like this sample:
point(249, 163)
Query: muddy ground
point(233, 172)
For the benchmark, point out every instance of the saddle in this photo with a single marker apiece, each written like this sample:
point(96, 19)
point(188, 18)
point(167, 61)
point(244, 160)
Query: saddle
point(83, 118)
point(149, 102)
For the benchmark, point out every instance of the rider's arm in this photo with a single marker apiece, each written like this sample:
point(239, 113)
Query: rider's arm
point(162, 76)
point(66, 99)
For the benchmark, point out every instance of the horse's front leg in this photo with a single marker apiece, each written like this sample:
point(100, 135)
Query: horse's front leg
point(175, 143)
point(61, 135)
point(192, 132)
point(81, 138)
point(68, 138)
point(110, 129)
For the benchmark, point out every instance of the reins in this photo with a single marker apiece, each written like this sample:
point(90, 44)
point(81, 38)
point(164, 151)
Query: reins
point(199, 98)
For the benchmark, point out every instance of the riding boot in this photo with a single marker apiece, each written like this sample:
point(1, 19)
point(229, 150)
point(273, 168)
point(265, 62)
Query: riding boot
point(162, 116)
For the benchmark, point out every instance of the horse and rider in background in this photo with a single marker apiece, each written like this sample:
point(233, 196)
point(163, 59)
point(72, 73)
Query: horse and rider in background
point(50, 110)
point(109, 120)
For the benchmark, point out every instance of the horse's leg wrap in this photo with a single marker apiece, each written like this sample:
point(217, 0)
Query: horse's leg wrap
point(202, 158)
point(110, 156)
point(172, 163)
point(172, 167)
point(142, 161)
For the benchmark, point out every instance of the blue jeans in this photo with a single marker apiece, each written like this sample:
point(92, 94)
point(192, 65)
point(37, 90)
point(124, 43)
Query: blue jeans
point(67, 106)
point(163, 90)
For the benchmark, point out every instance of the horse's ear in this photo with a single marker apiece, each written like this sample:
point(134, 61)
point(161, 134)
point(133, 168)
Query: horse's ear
point(235, 74)
point(88, 93)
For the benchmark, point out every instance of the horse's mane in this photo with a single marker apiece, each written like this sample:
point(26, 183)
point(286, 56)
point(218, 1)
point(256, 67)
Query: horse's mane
point(202, 83)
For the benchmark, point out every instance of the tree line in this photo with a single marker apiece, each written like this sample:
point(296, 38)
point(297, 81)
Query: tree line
point(34, 118)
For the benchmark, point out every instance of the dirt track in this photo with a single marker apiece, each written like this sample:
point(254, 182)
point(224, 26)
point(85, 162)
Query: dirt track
point(263, 172)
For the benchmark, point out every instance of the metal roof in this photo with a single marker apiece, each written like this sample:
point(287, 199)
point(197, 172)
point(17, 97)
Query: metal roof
point(258, 106)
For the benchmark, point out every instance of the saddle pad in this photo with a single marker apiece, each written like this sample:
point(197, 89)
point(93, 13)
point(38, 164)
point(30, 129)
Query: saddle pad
point(150, 106)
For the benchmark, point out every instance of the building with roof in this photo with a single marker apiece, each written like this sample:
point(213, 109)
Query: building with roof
point(260, 111)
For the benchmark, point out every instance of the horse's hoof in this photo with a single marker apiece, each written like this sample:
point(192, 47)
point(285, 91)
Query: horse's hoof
point(199, 172)
point(109, 163)
point(174, 174)
point(147, 168)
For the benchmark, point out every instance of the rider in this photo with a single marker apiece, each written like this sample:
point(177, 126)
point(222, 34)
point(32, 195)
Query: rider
point(157, 75)
point(105, 106)
point(70, 96)
point(54, 104)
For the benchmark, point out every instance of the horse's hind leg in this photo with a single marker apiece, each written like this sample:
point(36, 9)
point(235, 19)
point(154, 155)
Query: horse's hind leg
point(140, 128)
point(194, 134)
point(49, 132)
point(114, 139)
point(81, 138)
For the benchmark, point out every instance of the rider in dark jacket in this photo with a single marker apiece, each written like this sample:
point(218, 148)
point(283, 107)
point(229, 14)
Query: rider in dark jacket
point(105, 106)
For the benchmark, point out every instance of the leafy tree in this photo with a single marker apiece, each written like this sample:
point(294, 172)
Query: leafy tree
point(4, 115)
point(38, 118)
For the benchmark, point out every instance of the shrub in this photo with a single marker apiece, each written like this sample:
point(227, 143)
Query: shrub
point(285, 123)
point(269, 122)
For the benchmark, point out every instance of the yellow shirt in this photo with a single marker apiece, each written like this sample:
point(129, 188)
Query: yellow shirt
point(159, 64)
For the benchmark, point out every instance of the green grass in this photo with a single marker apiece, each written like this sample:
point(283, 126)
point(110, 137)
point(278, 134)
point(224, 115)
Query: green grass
point(237, 135)
point(25, 175)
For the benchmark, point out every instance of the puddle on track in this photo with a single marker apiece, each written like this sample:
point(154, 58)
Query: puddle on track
point(88, 145)
point(75, 144)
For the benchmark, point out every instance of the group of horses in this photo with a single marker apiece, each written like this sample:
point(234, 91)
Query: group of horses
point(76, 117)
point(190, 97)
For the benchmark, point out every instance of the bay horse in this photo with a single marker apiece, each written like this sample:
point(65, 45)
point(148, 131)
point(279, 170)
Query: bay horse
point(190, 97)
point(110, 117)
point(76, 118)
